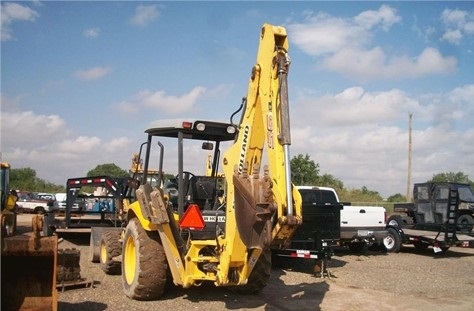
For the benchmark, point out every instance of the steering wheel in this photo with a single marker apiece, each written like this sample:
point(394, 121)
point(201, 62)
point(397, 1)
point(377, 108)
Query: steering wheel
point(186, 180)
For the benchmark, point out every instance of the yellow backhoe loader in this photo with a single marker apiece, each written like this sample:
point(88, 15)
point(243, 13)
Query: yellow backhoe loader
point(200, 238)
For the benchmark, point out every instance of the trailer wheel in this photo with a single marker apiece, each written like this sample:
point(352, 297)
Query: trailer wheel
point(110, 247)
point(144, 263)
point(393, 241)
point(258, 277)
point(465, 223)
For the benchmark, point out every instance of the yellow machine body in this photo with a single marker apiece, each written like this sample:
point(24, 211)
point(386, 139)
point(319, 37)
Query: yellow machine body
point(262, 209)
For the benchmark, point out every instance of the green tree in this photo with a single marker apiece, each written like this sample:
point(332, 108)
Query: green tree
point(459, 177)
point(108, 169)
point(26, 179)
point(23, 178)
point(327, 180)
point(362, 195)
point(397, 198)
point(303, 170)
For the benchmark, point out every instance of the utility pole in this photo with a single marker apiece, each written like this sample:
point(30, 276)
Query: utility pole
point(410, 115)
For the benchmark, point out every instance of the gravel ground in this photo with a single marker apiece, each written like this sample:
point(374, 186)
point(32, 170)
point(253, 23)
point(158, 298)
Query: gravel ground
point(409, 280)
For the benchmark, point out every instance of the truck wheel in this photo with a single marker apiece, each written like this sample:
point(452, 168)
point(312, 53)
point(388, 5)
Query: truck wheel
point(258, 277)
point(110, 247)
point(393, 241)
point(465, 223)
point(144, 263)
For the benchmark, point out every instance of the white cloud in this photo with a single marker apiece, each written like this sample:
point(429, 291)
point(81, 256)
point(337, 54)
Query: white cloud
point(372, 64)
point(44, 143)
point(13, 12)
point(452, 36)
point(79, 145)
point(117, 144)
point(456, 18)
point(386, 16)
point(170, 103)
point(161, 101)
point(355, 134)
point(91, 32)
point(325, 34)
point(92, 73)
point(144, 15)
point(126, 108)
point(29, 128)
point(464, 94)
point(457, 24)
point(343, 45)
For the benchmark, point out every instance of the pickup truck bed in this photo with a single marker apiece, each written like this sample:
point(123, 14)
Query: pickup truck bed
point(363, 222)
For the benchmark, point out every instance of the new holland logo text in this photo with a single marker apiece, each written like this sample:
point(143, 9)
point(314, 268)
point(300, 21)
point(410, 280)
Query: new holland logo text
point(244, 148)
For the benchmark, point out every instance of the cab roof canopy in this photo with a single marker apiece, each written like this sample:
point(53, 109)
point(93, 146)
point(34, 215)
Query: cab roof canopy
point(193, 129)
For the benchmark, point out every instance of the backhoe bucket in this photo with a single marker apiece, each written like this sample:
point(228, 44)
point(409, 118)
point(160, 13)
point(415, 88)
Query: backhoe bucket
point(251, 217)
point(29, 273)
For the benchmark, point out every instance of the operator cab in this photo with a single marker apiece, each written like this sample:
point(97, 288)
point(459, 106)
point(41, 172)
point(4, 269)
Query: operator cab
point(186, 189)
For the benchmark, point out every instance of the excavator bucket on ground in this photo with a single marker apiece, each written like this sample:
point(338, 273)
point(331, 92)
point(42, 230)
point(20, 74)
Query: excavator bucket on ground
point(29, 271)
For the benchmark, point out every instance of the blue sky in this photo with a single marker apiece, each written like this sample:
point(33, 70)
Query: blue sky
point(80, 81)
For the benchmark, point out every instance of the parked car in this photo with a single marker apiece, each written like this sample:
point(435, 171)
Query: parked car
point(61, 197)
point(36, 203)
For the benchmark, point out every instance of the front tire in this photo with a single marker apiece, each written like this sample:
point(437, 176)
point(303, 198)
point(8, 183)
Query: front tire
point(393, 241)
point(144, 263)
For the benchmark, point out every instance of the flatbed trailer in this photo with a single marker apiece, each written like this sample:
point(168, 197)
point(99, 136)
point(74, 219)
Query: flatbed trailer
point(405, 229)
point(71, 219)
point(422, 239)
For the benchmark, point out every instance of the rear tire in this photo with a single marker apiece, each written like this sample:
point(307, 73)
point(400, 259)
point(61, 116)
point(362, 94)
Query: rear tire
point(144, 265)
point(393, 241)
point(110, 247)
point(258, 277)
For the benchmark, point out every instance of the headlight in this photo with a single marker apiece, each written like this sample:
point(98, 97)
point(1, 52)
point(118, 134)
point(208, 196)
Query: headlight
point(231, 129)
point(200, 127)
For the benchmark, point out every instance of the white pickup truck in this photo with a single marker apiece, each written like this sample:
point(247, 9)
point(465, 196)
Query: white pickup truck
point(360, 225)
